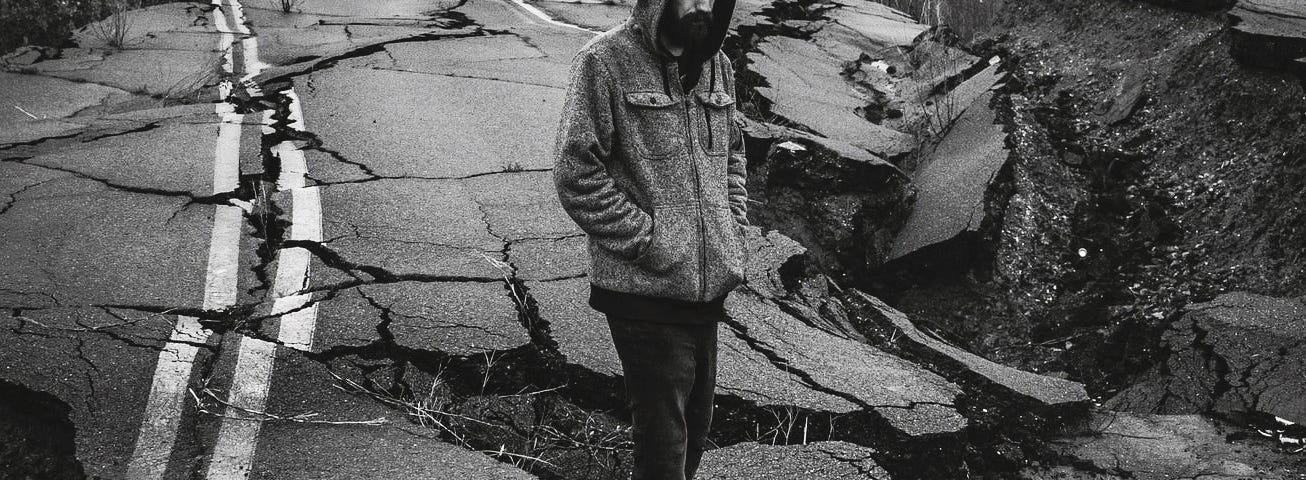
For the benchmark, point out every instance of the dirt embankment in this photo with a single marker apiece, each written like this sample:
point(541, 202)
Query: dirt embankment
point(1149, 170)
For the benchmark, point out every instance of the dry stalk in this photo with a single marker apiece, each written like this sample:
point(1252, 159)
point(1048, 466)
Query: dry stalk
point(206, 397)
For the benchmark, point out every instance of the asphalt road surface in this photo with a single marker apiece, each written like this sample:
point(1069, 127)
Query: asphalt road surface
point(163, 264)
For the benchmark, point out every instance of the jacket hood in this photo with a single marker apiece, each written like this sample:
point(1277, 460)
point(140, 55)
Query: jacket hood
point(648, 17)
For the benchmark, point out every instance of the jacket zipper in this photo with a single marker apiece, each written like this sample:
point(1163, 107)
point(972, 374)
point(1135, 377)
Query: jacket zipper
point(698, 182)
point(698, 192)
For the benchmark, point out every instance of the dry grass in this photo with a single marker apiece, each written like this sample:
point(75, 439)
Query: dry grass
point(190, 87)
point(115, 28)
point(529, 431)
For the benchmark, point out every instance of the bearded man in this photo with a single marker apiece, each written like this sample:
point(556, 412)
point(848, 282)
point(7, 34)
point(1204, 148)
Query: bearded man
point(650, 164)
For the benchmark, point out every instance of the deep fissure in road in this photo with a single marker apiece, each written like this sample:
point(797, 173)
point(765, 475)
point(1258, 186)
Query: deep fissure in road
point(39, 436)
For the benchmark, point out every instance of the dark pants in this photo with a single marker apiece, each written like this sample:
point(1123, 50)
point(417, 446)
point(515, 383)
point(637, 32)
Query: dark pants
point(670, 372)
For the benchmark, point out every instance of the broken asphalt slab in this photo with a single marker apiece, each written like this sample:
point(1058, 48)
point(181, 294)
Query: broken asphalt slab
point(1046, 391)
point(1268, 33)
point(812, 461)
point(772, 358)
point(953, 179)
point(1238, 352)
point(806, 86)
point(36, 107)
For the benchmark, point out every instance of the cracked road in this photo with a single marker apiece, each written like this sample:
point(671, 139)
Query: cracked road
point(326, 244)
point(169, 270)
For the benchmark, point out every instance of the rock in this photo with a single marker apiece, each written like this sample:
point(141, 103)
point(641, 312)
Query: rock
point(1044, 390)
point(1268, 33)
point(1241, 351)
point(1127, 97)
point(1157, 447)
point(812, 461)
point(842, 204)
point(953, 180)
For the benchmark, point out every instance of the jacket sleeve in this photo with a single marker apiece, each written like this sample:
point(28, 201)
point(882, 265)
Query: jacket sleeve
point(584, 146)
point(737, 165)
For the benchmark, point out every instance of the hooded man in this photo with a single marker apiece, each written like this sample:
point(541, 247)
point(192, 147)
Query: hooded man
point(650, 164)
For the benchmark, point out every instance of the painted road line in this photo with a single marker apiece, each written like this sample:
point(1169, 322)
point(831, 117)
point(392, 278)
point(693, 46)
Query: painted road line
point(547, 19)
point(168, 390)
point(162, 417)
point(237, 441)
point(249, 44)
point(238, 436)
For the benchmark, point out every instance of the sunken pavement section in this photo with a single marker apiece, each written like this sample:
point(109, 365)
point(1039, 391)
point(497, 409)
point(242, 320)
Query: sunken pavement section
point(449, 287)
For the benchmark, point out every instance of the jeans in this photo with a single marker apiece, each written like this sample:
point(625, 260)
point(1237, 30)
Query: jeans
point(670, 375)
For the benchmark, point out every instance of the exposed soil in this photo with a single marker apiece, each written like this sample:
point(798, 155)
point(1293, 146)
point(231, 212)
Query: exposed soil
point(1100, 227)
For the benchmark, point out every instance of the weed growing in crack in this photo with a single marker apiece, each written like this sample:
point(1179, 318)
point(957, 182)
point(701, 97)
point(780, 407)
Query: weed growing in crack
point(114, 29)
point(286, 5)
point(188, 88)
point(785, 418)
point(513, 166)
point(530, 430)
point(431, 410)
point(938, 67)
point(491, 357)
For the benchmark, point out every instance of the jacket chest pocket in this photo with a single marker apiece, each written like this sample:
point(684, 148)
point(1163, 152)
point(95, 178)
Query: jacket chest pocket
point(717, 107)
point(655, 123)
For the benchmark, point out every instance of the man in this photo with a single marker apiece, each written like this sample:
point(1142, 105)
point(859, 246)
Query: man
point(650, 164)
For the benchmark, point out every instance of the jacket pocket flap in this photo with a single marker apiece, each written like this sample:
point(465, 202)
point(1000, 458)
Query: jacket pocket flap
point(649, 99)
point(716, 99)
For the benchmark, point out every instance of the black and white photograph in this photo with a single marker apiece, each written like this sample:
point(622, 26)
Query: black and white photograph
point(652, 239)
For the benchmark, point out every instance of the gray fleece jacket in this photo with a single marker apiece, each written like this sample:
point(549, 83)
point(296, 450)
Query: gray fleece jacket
point(654, 175)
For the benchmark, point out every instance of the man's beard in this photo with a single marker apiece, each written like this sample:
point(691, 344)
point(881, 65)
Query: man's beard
point(692, 30)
